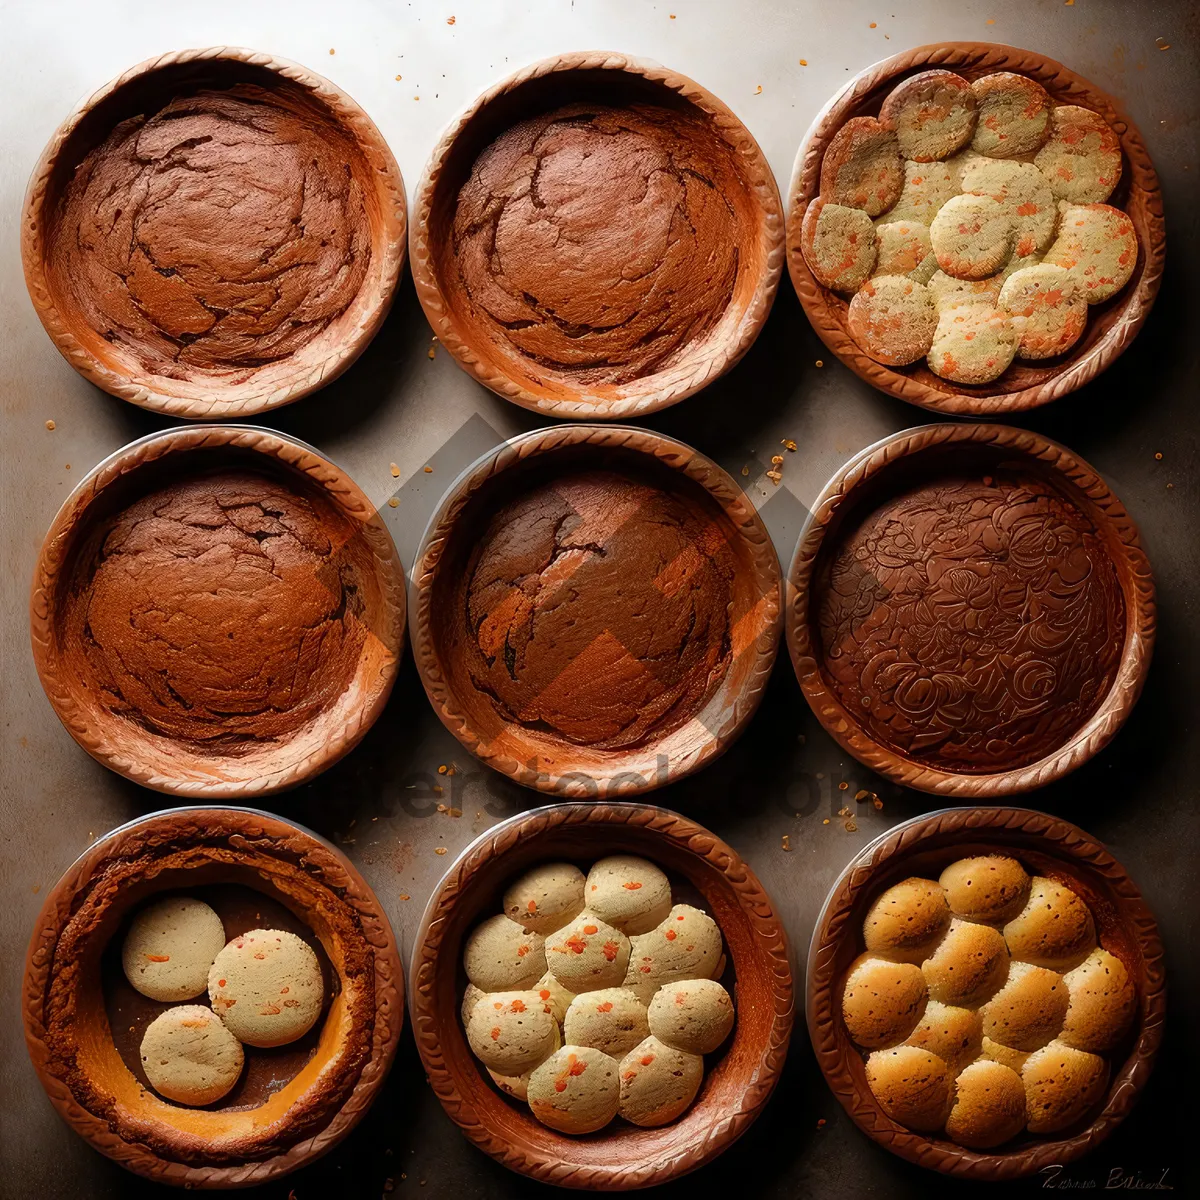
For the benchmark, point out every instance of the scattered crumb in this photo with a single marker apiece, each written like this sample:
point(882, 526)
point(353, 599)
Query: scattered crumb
point(989, 21)
point(395, 470)
point(877, 802)
point(825, 822)
point(428, 470)
point(821, 1123)
point(672, 16)
point(758, 90)
point(788, 444)
point(442, 769)
point(438, 790)
point(787, 842)
point(851, 827)
point(746, 470)
point(332, 50)
point(845, 812)
point(441, 808)
point(440, 850)
point(399, 77)
point(862, 794)
point(394, 502)
point(1158, 454)
point(804, 62)
point(872, 25)
point(50, 425)
point(820, 363)
point(449, 20)
point(37, 887)
point(416, 97)
point(454, 812)
point(1161, 44)
point(67, 467)
point(843, 786)
point(405, 896)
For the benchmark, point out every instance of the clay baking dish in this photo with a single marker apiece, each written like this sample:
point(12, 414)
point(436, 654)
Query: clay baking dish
point(970, 611)
point(736, 1086)
point(1111, 326)
point(596, 610)
point(599, 290)
point(239, 273)
point(294, 1103)
point(217, 612)
point(924, 846)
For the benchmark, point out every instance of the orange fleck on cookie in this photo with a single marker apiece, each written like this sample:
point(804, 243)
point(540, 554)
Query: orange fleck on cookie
point(893, 319)
point(902, 247)
point(972, 236)
point(927, 186)
point(1098, 245)
point(974, 342)
point(838, 244)
point(1021, 189)
point(1082, 158)
point(932, 115)
point(862, 167)
point(1014, 115)
point(1048, 309)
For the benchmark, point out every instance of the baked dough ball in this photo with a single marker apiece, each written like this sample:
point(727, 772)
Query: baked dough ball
point(631, 894)
point(1081, 160)
point(912, 1086)
point(170, 946)
point(554, 996)
point(838, 243)
point(862, 167)
point(576, 1090)
point(545, 898)
point(612, 1019)
point(1048, 310)
point(882, 1001)
point(972, 236)
point(974, 342)
point(907, 920)
point(1061, 1084)
point(471, 997)
point(1014, 115)
point(1098, 246)
point(501, 956)
point(955, 1035)
point(658, 1082)
point(927, 186)
point(1102, 1002)
point(969, 965)
point(1027, 1012)
point(189, 1056)
point(1054, 930)
point(511, 1032)
point(893, 318)
point(990, 888)
point(902, 247)
point(695, 1015)
point(989, 1106)
point(932, 115)
point(686, 945)
point(1022, 191)
point(588, 954)
point(266, 986)
point(995, 1052)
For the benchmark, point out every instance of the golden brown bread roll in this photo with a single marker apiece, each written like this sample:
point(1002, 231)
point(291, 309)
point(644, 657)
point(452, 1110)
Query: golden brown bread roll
point(882, 1001)
point(906, 922)
point(1028, 1011)
point(953, 1034)
point(1055, 928)
point(969, 965)
point(913, 1086)
point(989, 888)
point(1061, 1084)
point(989, 1106)
point(1102, 1000)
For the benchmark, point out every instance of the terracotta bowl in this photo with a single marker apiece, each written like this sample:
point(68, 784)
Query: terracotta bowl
point(1111, 326)
point(736, 1085)
point(259, 381)
point(201, 701)
point(527, 376)
point(925, 846)
point(76, 1002)
point(520, 741)
point(970, 611)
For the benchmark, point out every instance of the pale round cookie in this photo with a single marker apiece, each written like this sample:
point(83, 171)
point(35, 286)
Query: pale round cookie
point(995, 1052)
point(991, 888)
point(555, 998)
point(902, 248)
point(1054, 930)
point(974, 342)
point(1102, 1003)
point(471, 997)
point(516, 1086)
point(695, 1015)
point(170, 946)
point(955, 1035)
point(545, 898)
point(906, 921)
point(882, 1001)
point(631, 894)
point(611, 1019)
point(932, 115)
point(893, 319)
point(838, 243)
point(1027, 1012)
point(927, 186)
point(862, 167)
point(1021, 189)
point(972, 236)
point(1099, 246)
point(969, 965)
point(588, 954)
point(949, 291)
point(912, 1086)
point(511, 1032)
point(686, 945)
point(1082, 158)
point(1048, 310)
point(989, 1106)
point(1014, 115)
point(266, 986)
point(501, 956)
point(658, 1082)
point(576, 1090)
point(189, 1056)
point(1061, 1084)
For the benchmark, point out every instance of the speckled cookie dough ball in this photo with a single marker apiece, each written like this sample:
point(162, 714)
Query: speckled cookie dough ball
point(989, 1106)
point(1048, 310)
point(1022, 191)
point(906, 921)
point(612, 1019)
point(266, 986)
point(974, 342)
point(912, 1086)
point(631, 894)
point(555, 998)
point(972, 236)
point(1061, 1084)
point(1098, 246)
point(1014, 115)
point(995, 1052)
point(893, 318)
point(927, 186)
point(969, 966)
point(955, 1035)
point(902, 248)
point(686, 945)
point(1054, 930)
point(932, 114)
point(511, 1032)
point(471, 997)
point(170, 946)
point(1102, 1002)
point(882, 1001)
point(588, 954)
point(862, 167)
point(838, 243)
point(576, 1090)
point(695, 1015)
point(989, 887)
point(1082, 158)
point(545, 898)
point(516, 1086)
point(501, 956)
point(1028, 1011)
point(658, 1082)
point(189, 1056)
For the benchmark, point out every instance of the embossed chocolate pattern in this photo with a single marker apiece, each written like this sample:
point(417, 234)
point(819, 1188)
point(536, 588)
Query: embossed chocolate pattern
point(599, 242)
point(597, 607)
point(223, 232)
point(219, 610)
point(972, 623)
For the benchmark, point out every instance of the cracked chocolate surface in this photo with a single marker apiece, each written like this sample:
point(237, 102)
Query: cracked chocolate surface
point(599, 242)
point(222, 233)
point(218, 611)
point(598, 608)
